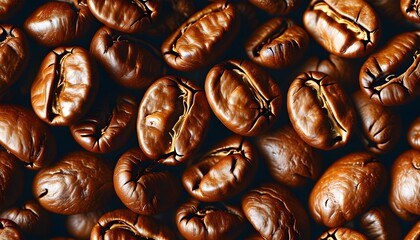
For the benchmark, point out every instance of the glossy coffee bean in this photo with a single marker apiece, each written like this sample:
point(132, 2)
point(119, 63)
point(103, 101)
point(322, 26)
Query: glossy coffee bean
point(12, 179)
point(80, 225)
point(212, 221)
point(278, 7)
point(107, 127)
point(243, 96)
point(142, 186)
point(380, 223)
point(124, 224)
point(172, 120)
point(414, 233)
point(348, 29)
point(413, 135)
point(203, 38)
point(276, 213)
point(289, 159)
point(410, 10)
point(26, 137)
point(9, 230)
point(405, 185)
point(320, 111)
point(342, 233)
point(126, 16)
point(278, 43)
point(8, 8)
point(65, 86)
point(14, 55)
point(129, 61)
point(74, 184)
point(347, 188)
point(380, 127)
point(59, 23)
point(391, 75)
point(223, 172)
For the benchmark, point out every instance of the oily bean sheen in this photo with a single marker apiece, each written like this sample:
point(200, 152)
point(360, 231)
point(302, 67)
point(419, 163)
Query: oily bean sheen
point(348, 29)
point(80, 225)
point(405, 185)
point(80, 182)
point(65, 86)
point(9, 230)
point(380, 127)
point(8, 8)
point(130, 62)
point(243, 96)
point(411, 10)
point(391, 75)
point(203, 38)
point(172, 121)
point(11, 179)
point(278, 43)
point(26, 137)
point(223, 172)
point(347, 188)
point(320, 111)
point(413, 135)
point(107, 127)
point(142, 187)
point(278, 7)
point(414, 233)
point(58, 23)
point(124, 224)
point(276, 213)
point(380, 223)
point(129, 16)
point(211, 221)
point(31, 218)
point(14, 55)
point(289, 159)
point(342, 233)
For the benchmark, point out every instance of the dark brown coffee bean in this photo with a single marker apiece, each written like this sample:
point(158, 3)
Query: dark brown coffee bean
point(223, 172)
point(8, 8)
point(80, 225)
point(342, 233)
point(410, 10)
point(243, 96)
point(347, 188)
point(391, 75)
point(348, 29)
point(9, 230)
point(11, 179)
point(210, 221)
point(320, 111)
point(279, 7)
point(172, 120)
point(380, 223)
point(413, 135)
point(414, 233)
point(65, 86)
point(203, 38)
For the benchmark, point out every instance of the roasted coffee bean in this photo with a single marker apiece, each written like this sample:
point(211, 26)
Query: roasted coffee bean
point(31, 218)
point(80, 225)
point(203, 38)
point(276, 213)
point(391, 75)
point(278, 43)
point(14, 55)
point(8, 8)
point(413, 135)
point(108, 127)
point(9, 230)
point(289, 159)
point(26, 137)
point(124, 224)
point(414, 233)
point(405, 185)
point(74, 184)
point(380, 223)
point(244, 97)
point(348, 29)
point(130, 62)
point(65, 86)
point(129, 16)
point(280, 7)
point(347, 188)
point(411, 10)
point(60, 22)
point(212, 221)
point(172, 120)
point(320, 111)
point(380, 127)
point(342, 233)
point(11, 179)
point(142, 187)
point(223, 172)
